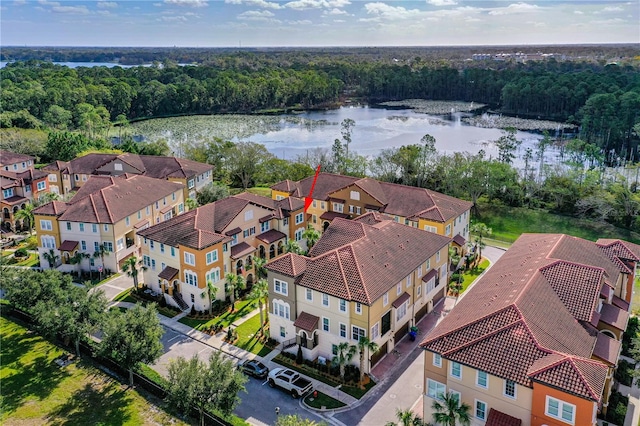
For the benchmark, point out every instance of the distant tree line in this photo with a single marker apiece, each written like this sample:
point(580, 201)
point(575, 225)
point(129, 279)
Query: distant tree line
point(604, 100)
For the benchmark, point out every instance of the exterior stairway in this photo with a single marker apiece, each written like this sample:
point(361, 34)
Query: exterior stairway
point(180, 301)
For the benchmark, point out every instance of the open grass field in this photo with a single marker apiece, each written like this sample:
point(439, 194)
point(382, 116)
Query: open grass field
point(243, 307)
point(635, 301)
point(36, 391)
point(508, 223)
point(248, 336)
point(471, 275)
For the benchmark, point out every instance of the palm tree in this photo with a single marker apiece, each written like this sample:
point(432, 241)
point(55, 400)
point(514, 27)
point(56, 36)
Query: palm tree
point(344, 356)
point(234, 282)
point(258, 267)
point(449, 410)
point(211, 290)
point(364, 344)
point(51, 257)
point(130, 267)
point(407, 418)
point(26, 215)
point(191, 203)
point(101, 252)
point(260, 292)
point(77, 259)
point(311, 235)
point(480, 230)
point(292, 247)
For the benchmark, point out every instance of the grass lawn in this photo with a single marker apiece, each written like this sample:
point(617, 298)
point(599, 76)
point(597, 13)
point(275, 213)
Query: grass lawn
point(322, 400)
point(248, 332)
point(265, 192)
point(508, 223)
point(471, 275)
point(32, 260)
point(36, 391)
point(125, 296)
point(635, 301)
point(243, 307)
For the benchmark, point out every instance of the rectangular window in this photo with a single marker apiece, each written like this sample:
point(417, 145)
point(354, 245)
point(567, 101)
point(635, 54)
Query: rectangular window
point(248, 215)
point(173, 251)
point(180, 208)
point(455, 370)
point(325, 300)
point(283, 332)
point(120, 243)
point(357, 333)
point(146, 261)
point(147, 210)
point(398, 289)
point(409, 280)
point(139, 215)
point(281, 309)
point(351, 208)
point(343, 330)
point(419, 290)
point(7, 193)
point(151, 245)
point(94, 228)
point(68, 226)
point(431, 229)
point(437, 360)
point(375, 331)
point(45, 225)
point(127, 221)
point(420, 271)
point(285, 222)
point(343, 305)
point(153, 265)
point(358, 210)
point(105, 227)
point(53, 178)
point(325, 324)
point(438, 256)
point(427, 265)
point(481, 410)
point(455, 395)
point(386, 323)
point(299, 218)
point(96, 246)
point(264, 226)
point(213, 276)
point(212, 256)
point(510, 388)
point(173, 196)
point(560, 410)
point(298, 235)
point(385, 299)
point(401, 311)
point(355, 195)
point(161, 248)
point(358, 308)
point(481, 379)
point(48, 242)
point(108, 246)
point(189, 258)
point(42, 185)
point(338, 207)
point(83, 245)
point(81, 225)
point(280, 287)
point(436, 389)
point(447, 230)
point(309, 294)
point(92, 262)
point(191, 183)
point(190, 278)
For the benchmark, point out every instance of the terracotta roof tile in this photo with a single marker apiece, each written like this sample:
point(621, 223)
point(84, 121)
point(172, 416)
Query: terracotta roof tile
point(168, 273)
point(498, 418)
point(289, 264)
point(400, 300)
point(53, 208)
point(620, 303)
point(68, 245)
point(581, 377)
point(306, 321)
point(241, 249)
point(332, 215)
point(607, 348)
point(614, 316)
point(8, 157)
point(271, 236)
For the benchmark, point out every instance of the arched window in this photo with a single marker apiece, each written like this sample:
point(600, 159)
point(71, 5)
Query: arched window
point(280, 248)
point(272, 251)
point(262, 252)
point(239, 267)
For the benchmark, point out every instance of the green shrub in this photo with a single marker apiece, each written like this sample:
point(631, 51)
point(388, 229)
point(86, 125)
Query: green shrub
point(21, 252)
point(624, 372)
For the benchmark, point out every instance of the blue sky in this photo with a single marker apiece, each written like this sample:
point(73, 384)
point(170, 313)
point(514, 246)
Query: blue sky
point(246, 23)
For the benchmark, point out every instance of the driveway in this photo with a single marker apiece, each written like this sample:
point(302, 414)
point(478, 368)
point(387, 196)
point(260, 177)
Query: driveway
point(115, 286)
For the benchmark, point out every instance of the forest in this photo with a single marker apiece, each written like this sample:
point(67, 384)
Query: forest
point(603, 99)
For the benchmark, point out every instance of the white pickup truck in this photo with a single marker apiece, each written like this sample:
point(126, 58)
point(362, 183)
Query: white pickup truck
point(289, 380)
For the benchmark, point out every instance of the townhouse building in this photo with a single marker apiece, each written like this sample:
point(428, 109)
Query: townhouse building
point(369, 277)
point(185, 253)
point(68, 176)
point(104, 215)
point(537, 339)
point(21, 184)
point(349, 197)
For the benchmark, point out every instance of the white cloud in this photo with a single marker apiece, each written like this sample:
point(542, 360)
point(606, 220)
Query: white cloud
point(256, 3)
point(188, 3)
point(178, 18)
point(339, 21)
point(107, 5)
point(390, 12)
point(515, 8)
point(19, 2)
point(612, 9)
point(157, 4)
point(578, 12)
point(608, 21)
point(316, 4)
point(442, 2)
point(71, 10)
point(335, 11)
point(48, 3)
point(300, 22)
point(256, 14)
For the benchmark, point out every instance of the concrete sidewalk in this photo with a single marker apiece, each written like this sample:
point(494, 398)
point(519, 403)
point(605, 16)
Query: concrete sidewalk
point(217, 342)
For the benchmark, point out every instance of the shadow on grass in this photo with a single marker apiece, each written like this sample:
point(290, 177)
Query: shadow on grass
point(108, 403)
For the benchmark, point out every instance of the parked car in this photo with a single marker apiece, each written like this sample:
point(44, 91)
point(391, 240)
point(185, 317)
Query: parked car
point(254, 368)
point(291, 381)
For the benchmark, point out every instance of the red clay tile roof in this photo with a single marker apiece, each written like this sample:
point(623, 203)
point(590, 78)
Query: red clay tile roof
point(620, 303)
point(429, 275)
point(582, 377)
point(116, 198)
point(621, 249)
point(498, 418)
point(271, 236)
point(614, 316)
point(183, 230)
point(16, 199)
point(8, 157)
point(519, 314)
point(168, 273)
point(285, 186)
point(332, 215)
point(459, 240)
point(141, 224)
point(607, 348)
point(241, 249)
point(373, 188)
point(233, 231)
point(400, 300)
point(306, 321)
point(68, 245)
point(360, 262)
point(53, 208)
point(290, 264)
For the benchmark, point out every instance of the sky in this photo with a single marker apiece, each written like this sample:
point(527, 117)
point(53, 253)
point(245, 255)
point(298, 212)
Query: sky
point(270, 23)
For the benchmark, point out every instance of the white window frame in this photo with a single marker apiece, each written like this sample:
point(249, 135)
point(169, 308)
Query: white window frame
point(281, 309)
point(558, 415)
point(515, 391)
point(436, 386)
point(46, 225)
point(212, 256)
point(248, 215)
point(385, 299)
point(359, 332)
point(338, 207)
point(309, 294)
point(452, 364)
point(41, 186)
point(355, 195)
point(299, 218)
point(343, 305)
point(190, 277)
point(375, 331)
point(358, 308)
point(325, 300)
point(479, 375)
point(342, 330)
point(398, 289)
point(438, 256)
point(326, 324)
point(456, 393)
point(485, 410)
point(437, 360)
point(401, 311)
point(48, 242)
point(189, 258)
point(280, 287)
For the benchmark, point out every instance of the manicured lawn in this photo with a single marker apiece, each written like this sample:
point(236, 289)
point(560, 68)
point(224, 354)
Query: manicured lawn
point(635, 301)
point(36, 391)
point(125, 296)
point(243, 307)
point(471, 275)
point(322, 400)
point(248, 336)
point(32, 260)
point(265, 192)
point(508, 223)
